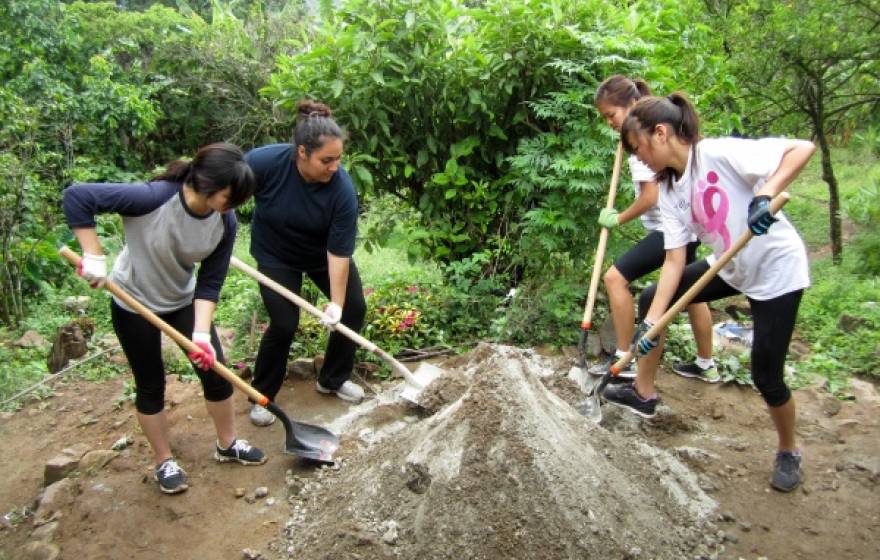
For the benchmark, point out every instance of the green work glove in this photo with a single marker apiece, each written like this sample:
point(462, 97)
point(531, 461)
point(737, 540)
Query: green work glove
point(608, 218)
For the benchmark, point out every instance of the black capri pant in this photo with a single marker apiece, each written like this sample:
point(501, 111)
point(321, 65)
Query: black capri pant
point(773, 326)
point(648, 255)
point(141, 342)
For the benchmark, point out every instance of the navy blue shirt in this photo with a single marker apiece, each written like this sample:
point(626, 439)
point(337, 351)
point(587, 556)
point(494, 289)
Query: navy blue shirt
point(296, 223)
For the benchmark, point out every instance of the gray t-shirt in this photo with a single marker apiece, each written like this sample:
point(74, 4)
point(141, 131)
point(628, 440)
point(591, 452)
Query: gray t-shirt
point(164, 241)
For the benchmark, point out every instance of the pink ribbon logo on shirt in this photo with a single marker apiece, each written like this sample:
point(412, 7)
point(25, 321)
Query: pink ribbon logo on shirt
point(709, 208)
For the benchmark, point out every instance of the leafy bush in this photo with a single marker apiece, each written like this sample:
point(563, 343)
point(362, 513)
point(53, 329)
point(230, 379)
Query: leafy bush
point(864, 209)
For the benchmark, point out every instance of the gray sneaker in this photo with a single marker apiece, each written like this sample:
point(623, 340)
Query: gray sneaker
point(171, 478)
point(260, 416)
point(786, 471)
point(351, 392)
point(692, 370)
point(240, 452)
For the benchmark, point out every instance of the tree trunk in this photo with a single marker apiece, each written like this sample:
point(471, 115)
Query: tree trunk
point(833, 198)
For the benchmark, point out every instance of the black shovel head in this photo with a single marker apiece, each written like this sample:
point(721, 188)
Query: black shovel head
point(306, 440)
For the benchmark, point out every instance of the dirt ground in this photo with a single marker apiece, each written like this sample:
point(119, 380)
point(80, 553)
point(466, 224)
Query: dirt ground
point(499, 466)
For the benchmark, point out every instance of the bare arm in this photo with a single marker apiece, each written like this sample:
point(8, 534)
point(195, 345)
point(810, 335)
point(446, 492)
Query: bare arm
point(670, 277)
point(649, 192)
point(204, 315)
point(796, 156)
point(337, 269)
point(88, 240)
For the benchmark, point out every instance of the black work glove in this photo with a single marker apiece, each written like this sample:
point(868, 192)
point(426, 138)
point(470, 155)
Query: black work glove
point(760, 218)
point(641, 346)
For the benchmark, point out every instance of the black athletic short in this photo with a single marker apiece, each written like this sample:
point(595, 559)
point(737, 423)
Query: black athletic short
point(647, 256)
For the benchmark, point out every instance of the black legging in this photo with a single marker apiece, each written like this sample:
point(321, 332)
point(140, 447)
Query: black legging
point(271, 362)
point(142, 344)
point(773, 326)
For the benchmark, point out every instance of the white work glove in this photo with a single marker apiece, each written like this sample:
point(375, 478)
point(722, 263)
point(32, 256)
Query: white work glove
point(332, 315)
point(207, 356)
point(94, 269)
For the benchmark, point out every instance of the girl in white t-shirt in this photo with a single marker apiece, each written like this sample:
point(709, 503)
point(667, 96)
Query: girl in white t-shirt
point(716, 188)
point(614, 97)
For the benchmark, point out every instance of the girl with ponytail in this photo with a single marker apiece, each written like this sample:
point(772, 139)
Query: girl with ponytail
point(305, 222)
point(614, 98)
point(179, 219)
point(715, 188)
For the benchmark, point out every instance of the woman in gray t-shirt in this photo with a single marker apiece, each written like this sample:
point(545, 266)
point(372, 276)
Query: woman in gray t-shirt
point(172, 222)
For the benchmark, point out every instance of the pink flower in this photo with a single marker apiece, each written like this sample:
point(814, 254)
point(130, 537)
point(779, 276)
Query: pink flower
point(240, 365)
point(413, 289)
point(408, 321)
point(368, 292)
point(263, 327)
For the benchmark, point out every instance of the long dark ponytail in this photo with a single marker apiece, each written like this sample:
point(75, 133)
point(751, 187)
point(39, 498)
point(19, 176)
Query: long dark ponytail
point(620, 91)
point(215, 167)
point(674, 110)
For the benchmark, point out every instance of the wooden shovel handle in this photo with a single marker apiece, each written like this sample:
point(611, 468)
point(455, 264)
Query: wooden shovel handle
point(587, 321)
point(187, 344)
point(339, 327)
point(775, 205)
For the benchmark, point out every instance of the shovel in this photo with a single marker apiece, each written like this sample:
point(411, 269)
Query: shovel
point(424, 375)
point(591, 407)
point(587, 321)
point(303, 440)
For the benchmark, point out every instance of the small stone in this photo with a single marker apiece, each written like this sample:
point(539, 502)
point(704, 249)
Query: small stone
point(745, 527)
point(261, 492)
point(96, 460)
point(389, 534)
point(122, 443)
point(58, 467)
point(250, 554)
point(270, 501)
point(240, 492)
point(31, 339)
point(727, 517)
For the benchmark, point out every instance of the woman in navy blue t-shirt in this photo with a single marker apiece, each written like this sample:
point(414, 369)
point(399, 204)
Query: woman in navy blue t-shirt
point(305, 221)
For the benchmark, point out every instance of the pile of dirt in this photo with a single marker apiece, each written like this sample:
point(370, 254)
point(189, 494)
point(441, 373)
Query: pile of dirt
point(503, 468)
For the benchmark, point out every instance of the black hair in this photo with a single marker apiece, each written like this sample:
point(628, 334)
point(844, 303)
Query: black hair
point(314, 123)
point(214, 168)
point(620, 91)
point(673, 110)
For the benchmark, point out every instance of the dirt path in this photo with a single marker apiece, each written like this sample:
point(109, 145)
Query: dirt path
point(502, 466)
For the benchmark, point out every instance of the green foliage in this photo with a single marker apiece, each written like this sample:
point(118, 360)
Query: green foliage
point(865, 211)
point(436, 94)
point(842, 324)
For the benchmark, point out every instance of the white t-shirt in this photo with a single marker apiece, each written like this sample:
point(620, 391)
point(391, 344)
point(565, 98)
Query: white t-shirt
point(711, 200)
point(641, 173)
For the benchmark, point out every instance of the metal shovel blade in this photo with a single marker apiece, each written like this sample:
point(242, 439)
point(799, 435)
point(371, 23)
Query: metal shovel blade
point(591, 407)
point(306, 440)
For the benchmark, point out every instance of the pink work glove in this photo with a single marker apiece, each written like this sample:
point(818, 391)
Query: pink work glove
point(206, 358)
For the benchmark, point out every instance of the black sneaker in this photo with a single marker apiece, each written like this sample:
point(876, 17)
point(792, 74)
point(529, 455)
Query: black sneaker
point(786, 471)
point(625, 396)
point(600, 369)
point(241, 452)
point(692, 370)
point(171, 478)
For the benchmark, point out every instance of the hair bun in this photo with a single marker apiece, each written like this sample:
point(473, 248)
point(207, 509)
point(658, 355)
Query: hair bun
point(308, 108)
